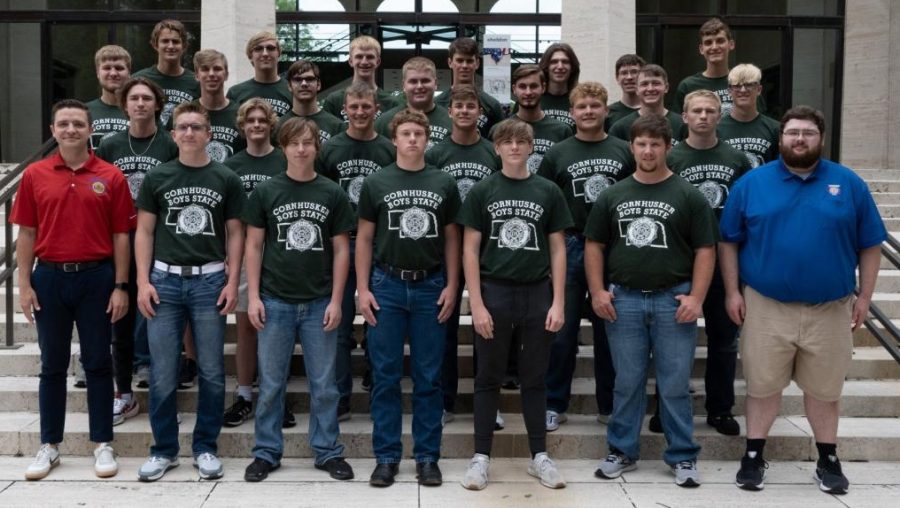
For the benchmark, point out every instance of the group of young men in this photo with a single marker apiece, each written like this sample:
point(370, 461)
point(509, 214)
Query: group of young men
point(570, 208)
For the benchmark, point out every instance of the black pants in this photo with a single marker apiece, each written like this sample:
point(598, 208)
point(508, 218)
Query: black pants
point(722, 347)
point(123, 333)
point(519, 312)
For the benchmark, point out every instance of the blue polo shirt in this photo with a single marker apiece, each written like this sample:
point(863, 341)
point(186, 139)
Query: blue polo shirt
point(799, 240)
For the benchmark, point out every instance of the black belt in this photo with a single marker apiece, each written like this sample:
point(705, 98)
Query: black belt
point(73, 267)
point(655, 290)
point(407, 275)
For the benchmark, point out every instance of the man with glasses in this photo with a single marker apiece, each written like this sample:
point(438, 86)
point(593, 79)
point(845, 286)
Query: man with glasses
point(627, 68)
point(263, 50)
point(798, 311)
point(304, 83)
point(746, 128)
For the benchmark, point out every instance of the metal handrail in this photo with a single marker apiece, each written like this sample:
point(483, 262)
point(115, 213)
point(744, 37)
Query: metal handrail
point(889, 335)
point(9, 184)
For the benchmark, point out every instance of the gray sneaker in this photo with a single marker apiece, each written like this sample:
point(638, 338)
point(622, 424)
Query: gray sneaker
point(554, 419)
point(476, 477)
point(142, 376)
point(155, 467)
point(545, 470)
point(686, 474)
point(209, 465)
point(614, 465)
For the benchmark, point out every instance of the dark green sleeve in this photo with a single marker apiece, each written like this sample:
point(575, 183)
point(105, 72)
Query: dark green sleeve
point(382, 123)
point(255, 213)
point(547, 169)
point(704, 226)
point(560, 216)
point(235, 198)
point(146, 200)
point(470, 215)
point(678, 100)
point(619, 130)
point(597, 226)
point(343, 218)
point(365, 208)
point(453, 203)
point(101, 152)
point(333, 103)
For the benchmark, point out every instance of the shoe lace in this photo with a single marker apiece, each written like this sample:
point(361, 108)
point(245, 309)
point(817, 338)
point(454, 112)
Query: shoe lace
point(615, 458)
point(685, 465)
point(44, 452)
point(119, 405)
point(156, 459)
point(547, 465)
point(479, 465)
point(205, 456)
point(833, 466)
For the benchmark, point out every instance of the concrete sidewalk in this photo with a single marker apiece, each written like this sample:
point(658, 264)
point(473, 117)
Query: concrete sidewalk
point(297, 484)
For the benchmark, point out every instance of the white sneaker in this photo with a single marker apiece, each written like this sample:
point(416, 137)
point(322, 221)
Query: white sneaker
point(122, 409)
point(105, 461)
point(46, 459)
point(447, 417)
point(545, 470)
point(499, 423)
point(554, 419)
point(209, 465)
point(476, 477)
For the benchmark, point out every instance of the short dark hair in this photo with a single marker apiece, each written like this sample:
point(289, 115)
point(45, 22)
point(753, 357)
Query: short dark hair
point(69, 104)
point(805, 113)
point(463, 93)
point(173, 25)
point(464, 46)
point(407, 115)
point(301, 66)
point(158, 95)
point(714, 26)
point(656, 71)
point(629, 59)
point(523, 71)
point(544, 64)
point(190, 107)
point(298, 126)
point(653, 126)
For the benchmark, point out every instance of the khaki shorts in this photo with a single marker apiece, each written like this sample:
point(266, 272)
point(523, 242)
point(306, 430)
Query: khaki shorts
point(811, 344)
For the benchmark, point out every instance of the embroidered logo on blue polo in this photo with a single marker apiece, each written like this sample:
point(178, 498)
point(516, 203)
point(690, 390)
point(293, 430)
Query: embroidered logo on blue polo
point(834, 189)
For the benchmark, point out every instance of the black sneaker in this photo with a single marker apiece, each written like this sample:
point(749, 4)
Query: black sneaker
point(383, 475)
point(830, 477)
point(337, 468)
point(259, 470)
point(655, 425)
point(367, 380)
point(510, 383)
point(752, 474)
point(288, 421)
point(724, 424)
point(187, 373)
point(238, 413)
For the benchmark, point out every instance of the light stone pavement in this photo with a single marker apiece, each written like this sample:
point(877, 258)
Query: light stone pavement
point(297, 484)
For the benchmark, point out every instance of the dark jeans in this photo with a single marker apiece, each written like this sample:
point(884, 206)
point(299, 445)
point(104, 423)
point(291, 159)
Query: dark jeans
point(346, 342)
point(81, 299)
point(519, 312)
point(123, 332)
point(450, 367)
point(722, 347)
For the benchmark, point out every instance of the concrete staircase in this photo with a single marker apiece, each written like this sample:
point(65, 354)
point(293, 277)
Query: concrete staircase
point(869, 429)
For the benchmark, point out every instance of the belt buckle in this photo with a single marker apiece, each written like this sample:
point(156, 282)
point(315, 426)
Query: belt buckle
point(70, 267)
point(187, 271)
point(412, 275)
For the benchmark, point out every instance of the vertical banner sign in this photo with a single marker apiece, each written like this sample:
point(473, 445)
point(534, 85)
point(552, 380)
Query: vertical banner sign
point(497, 66)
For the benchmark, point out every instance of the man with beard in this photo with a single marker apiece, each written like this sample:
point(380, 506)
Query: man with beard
point(113, 65)
point(263, 51)
point(746, 128)
point(798, 311)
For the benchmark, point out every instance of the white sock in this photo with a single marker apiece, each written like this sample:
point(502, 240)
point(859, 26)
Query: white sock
point(245, 392)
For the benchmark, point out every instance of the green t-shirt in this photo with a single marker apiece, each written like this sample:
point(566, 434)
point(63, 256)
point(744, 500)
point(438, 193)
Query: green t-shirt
point(438, 119)
point(178, 89)
point(584, 169)
point(334, 103)
point(622, 128)
point(717, 85)
point(617, 111)
point(191, 206)
point(136, 156)
point(349, 161)
point(226, 138)
point(557, 107)
point(410, 210)
point(758, 138)
point(300, 219)
point(106, 120)
point(277, 94)
point(651, 231)
point(515, 218)
point(491, 110)
point(328, 124)
point(468, 164)
point(712, 171)
point(254, 170)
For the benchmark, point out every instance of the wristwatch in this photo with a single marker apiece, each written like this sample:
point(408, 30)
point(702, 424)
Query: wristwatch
point(121, 285)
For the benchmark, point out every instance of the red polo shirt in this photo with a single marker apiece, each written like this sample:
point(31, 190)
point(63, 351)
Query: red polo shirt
point(75, 212)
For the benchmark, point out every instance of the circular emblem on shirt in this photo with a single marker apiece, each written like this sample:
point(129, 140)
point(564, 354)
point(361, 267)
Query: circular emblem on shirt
point(192, 220)
point(354, 188)
point(534, 162)
point(108, 134)
point(429, 145)
point(594, 186)
point(464, 185)
point(514, 234)
point(98, 187)
point(301, 235)
point(134, 183)
point(726, 108)
point(641, 232)
point(166, 113)
point(217, 151)
point(712, 191)
point(755, 160)
point(414, 223)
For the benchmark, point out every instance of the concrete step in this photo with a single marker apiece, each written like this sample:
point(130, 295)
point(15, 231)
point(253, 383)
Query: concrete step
point(886, 198)
point(861, 398)
point(879, 185)
point(878, 174)
point(582, 437)
point(889, 211)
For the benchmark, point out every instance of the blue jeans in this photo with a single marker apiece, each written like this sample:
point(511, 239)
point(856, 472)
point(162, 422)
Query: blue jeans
point(645, 323)
point(285, 323)
point(408, 309)
point(346, 343)
point(181, 299)
point(565, 346)
point(78, 298)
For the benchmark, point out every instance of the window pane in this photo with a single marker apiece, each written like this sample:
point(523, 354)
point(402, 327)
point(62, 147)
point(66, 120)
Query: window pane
point(57, 5)
point(813, 83)
point(309, 5)
point(21, 104)
point(319, 43)
point(136, 39)
point(677, 7)
point(518, 6)
point(782, 7)
point(154, 5)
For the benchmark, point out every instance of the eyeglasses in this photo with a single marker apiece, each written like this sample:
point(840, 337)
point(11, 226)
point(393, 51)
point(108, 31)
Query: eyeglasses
point(745, 86)
point(271, 48)
point(184, 127)
point(796, 133)
point(304, 79)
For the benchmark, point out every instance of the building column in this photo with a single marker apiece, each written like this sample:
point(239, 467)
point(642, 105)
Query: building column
point(600, 32)
point(871, 92)
point(227, 25)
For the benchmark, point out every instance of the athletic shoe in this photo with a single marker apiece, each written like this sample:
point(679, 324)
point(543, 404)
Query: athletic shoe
point(830, 477)
point(752, 474)
point(655, 424)
point(544, 469)
point(123, 410)
point(178, 418)
point(259, 470)
point(447, 417)
point(476, 477)
point(724, 424)
point(142, 376)
point(288, 420)
point(155, 467)
point(46, 459)
point(686, 474)
point(238, 413)
point(554, 419)
point(510, 383)
point(602, 418)
point(367, 380)
point(343, 413)
point(614, 465)
point(337, 467)
point(209, 465)
point(80, 381)
point(187, 373)
point(105, 461)
point(499, 423)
